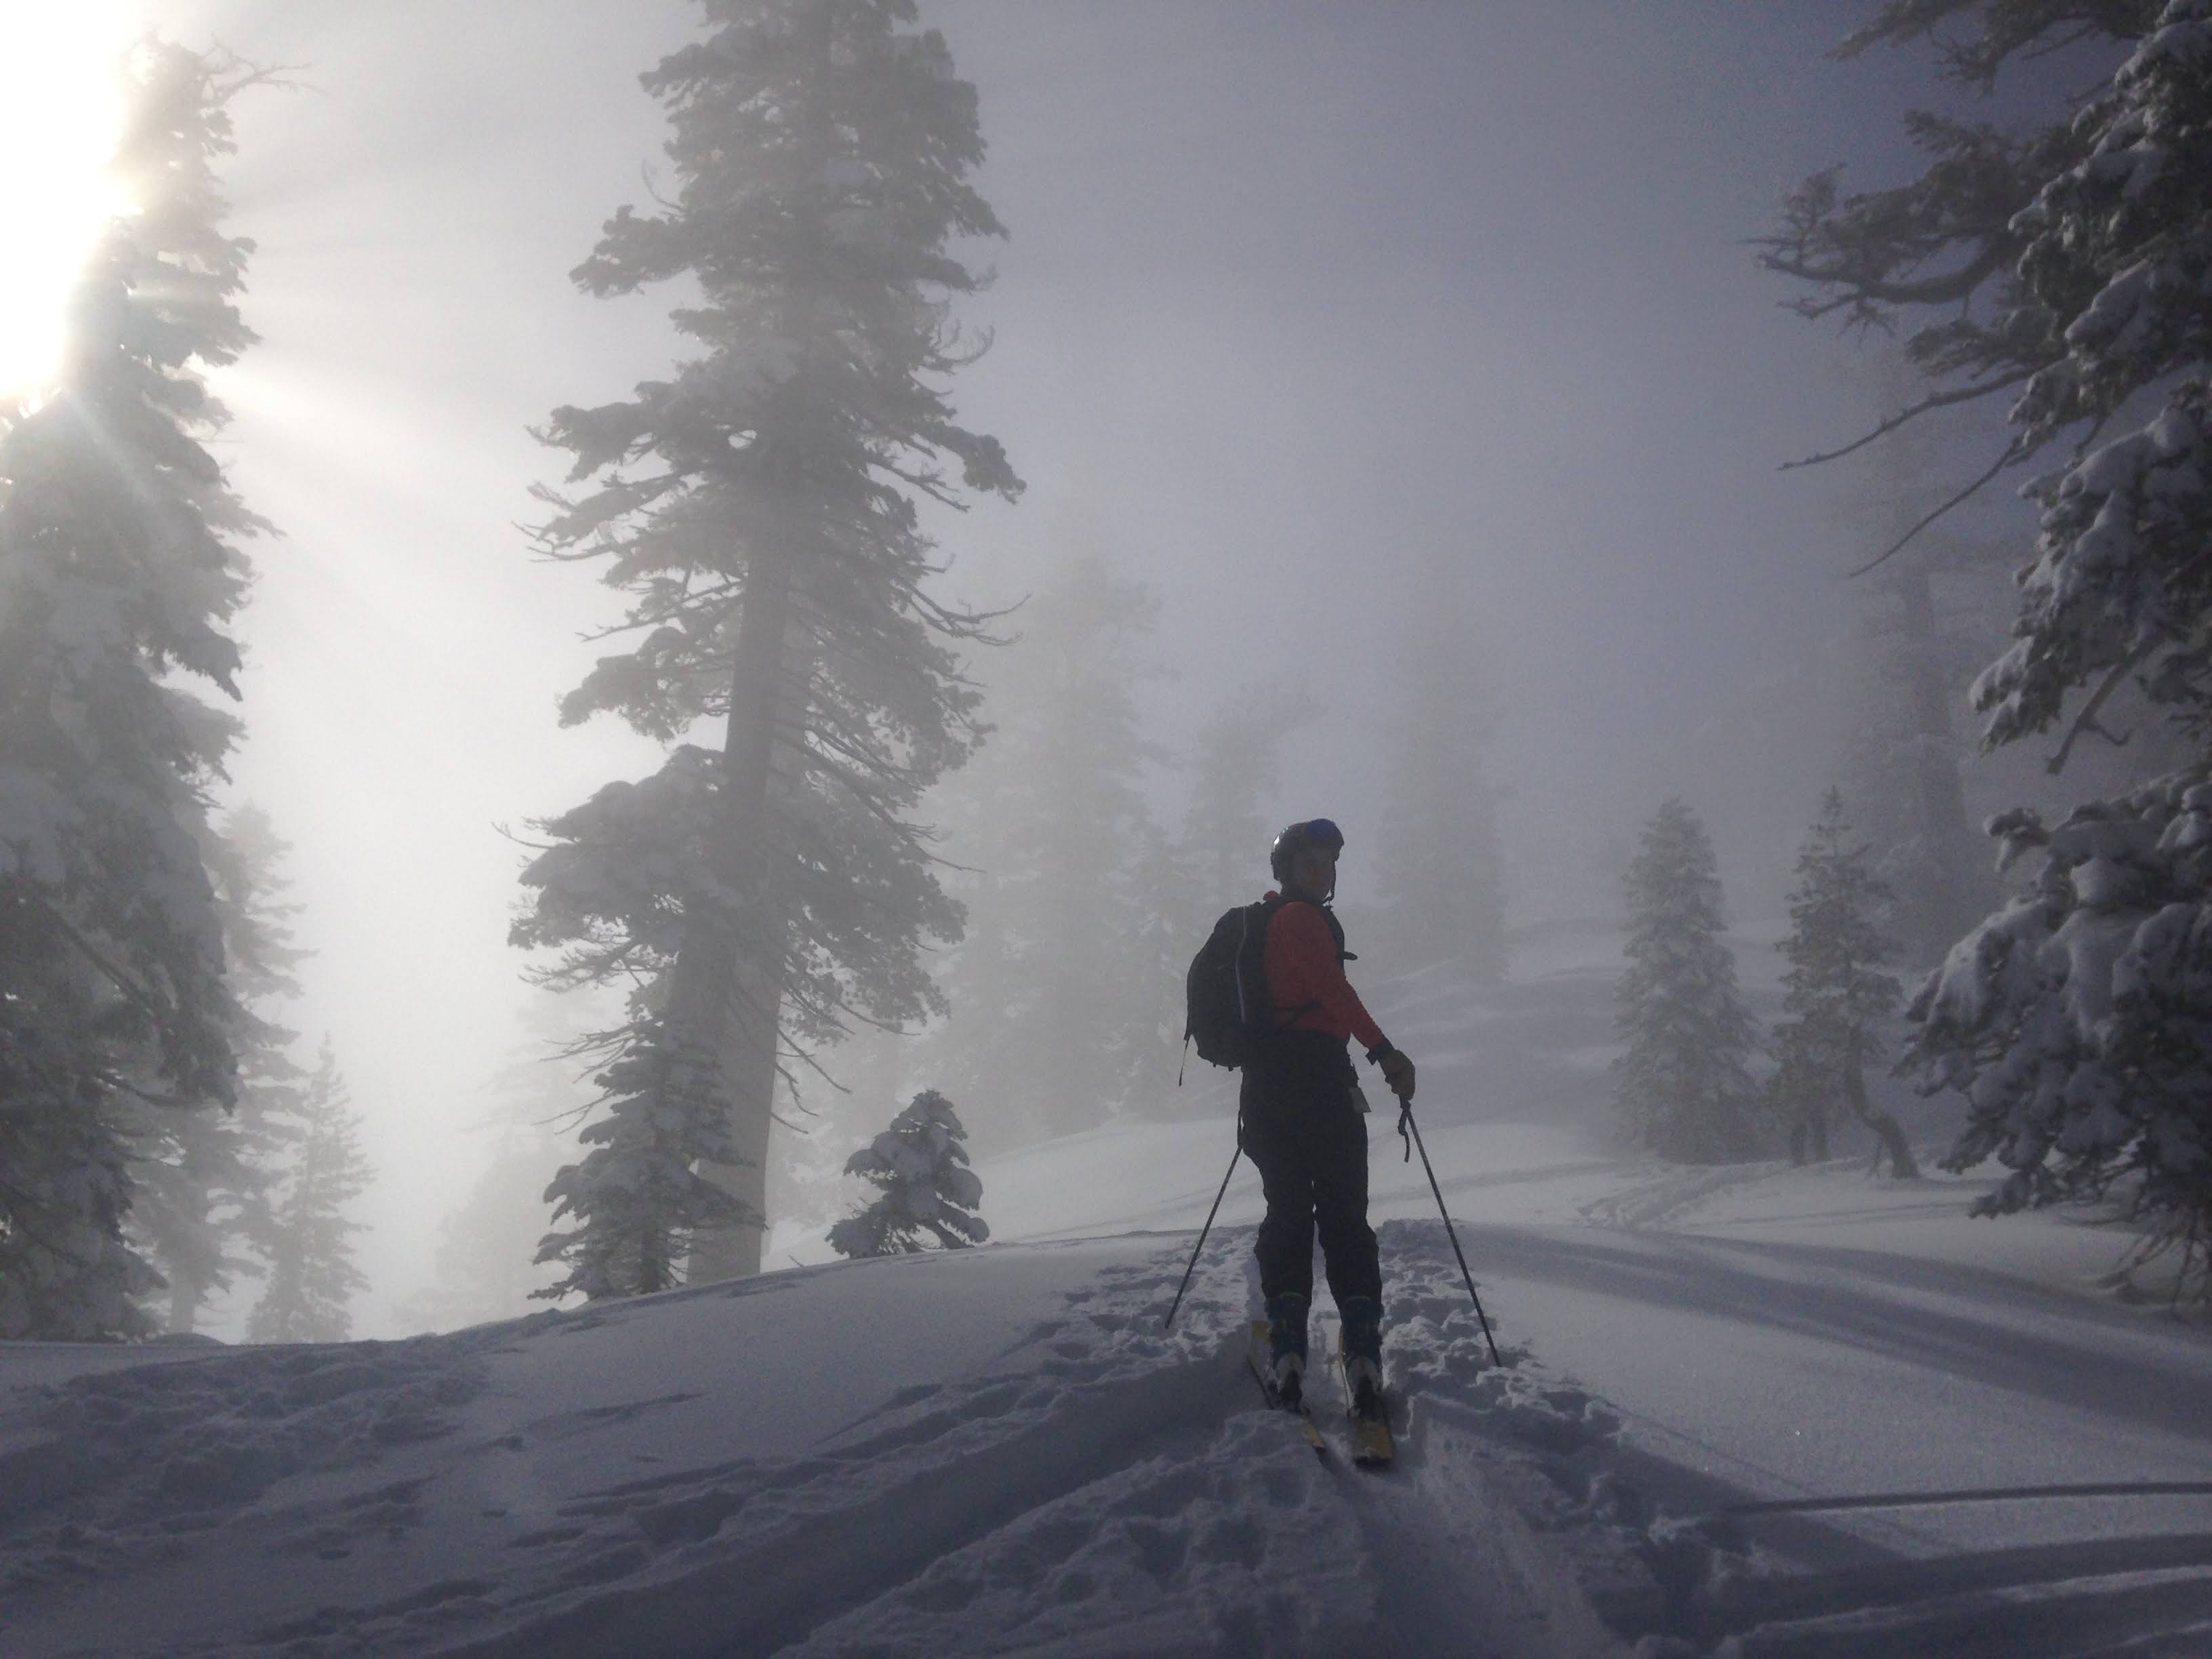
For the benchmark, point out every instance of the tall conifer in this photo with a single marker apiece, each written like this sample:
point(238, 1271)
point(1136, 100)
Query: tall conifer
point(1054, 1011)
point(2062, 264)
point(1835, 993)
point(1683, 1085)
point(760, 509)
point(1234, 770)
point(202, 1206)
point(312, 1275)
point(120, 571)
point(1438, 857)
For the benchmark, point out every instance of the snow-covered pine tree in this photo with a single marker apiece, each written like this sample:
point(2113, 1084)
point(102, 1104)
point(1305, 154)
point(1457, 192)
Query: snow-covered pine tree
point(1438, 859)
point(760, 508)
point(202, 1210)
point(2067, 268)
point(120, 571)
point(1835, 993)
point(920, 1166)
point(1683, 1084)
point(313, 1279)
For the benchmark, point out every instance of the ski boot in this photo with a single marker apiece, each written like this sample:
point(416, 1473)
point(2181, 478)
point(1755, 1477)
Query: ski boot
point(1286, 1348)
point(1361, 1352)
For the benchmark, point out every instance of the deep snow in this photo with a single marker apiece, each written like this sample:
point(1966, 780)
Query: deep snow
point(1765, 1411)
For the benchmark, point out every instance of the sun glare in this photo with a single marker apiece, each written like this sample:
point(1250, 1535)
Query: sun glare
point(60, 110)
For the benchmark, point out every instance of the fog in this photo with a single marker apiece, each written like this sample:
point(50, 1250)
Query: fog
point(1300, 302)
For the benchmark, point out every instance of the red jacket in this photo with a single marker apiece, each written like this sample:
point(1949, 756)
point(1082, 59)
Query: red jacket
point(1306, 976)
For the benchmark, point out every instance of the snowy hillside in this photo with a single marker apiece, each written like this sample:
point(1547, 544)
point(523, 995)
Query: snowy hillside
point(1808, 1412)
point(1761, 1402)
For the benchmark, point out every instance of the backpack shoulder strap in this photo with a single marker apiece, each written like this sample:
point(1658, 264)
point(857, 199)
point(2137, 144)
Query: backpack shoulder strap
point(1281, 1019)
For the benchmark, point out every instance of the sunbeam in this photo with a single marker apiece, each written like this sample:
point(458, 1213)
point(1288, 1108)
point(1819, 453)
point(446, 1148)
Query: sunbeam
point(59, 111)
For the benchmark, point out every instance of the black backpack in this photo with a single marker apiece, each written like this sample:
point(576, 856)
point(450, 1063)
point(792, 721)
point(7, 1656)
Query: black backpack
point(1227, 1010)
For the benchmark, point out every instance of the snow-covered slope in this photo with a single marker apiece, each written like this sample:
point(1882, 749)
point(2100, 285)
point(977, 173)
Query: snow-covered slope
point(1800, 1413)
point(997, 1452)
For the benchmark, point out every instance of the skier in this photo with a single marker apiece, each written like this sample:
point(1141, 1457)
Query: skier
point(1300, 1121)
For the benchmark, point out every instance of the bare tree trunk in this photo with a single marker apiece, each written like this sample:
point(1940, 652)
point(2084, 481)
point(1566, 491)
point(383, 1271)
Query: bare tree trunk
point(1955, 889)
point(1808, 1136)
point(749, 1066)
point(748, 967)
point(184, 1304)
point(727, 992)
point(1891, 1138)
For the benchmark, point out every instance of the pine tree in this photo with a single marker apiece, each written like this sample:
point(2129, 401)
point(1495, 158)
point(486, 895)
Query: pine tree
point(1439, 863)
point(760, 509)
point(313, 1279)
point(1234, 770)
point(1904, 768)
point(1901, 766)
point(920, 1165)
point(483, 1267)
point(1683, 1085)
point(203, 1177)
point(1218, 858)
point(641, 1190)
point(187, 1167)
point(1835, 993)
point(2065, 269)
point(1056, 994)
point(120, 570)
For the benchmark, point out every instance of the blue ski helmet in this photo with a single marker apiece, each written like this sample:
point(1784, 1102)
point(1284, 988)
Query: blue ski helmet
point(1314, 832)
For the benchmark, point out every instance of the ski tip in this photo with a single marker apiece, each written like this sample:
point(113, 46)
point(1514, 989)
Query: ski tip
point(1372, 1447)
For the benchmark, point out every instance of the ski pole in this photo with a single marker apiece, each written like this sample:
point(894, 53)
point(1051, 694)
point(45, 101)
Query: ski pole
point(1405, 1121)
point(1169, 1322)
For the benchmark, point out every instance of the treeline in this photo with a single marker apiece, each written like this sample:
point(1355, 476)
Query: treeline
point(1684, 1084)
point(1083, 901)
point(848, 836)
point(2059, 269)
point(2063, 271)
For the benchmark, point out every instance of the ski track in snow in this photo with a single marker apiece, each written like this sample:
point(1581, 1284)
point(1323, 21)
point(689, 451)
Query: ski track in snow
point(1789, 1448)
point(1101, 1487)
point(1663, 1194)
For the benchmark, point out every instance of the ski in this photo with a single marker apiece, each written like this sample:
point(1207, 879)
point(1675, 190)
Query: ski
point(1373, 1447)
point(1254, 1349)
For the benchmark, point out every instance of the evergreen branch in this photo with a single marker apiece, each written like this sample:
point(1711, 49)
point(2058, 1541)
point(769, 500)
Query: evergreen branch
point(1935, 400)
point(141, 999)
point(1865, 292)
point(2012, 452)
point(2085, 721)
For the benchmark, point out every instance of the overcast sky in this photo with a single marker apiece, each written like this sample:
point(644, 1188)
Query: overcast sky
point(1297, 297)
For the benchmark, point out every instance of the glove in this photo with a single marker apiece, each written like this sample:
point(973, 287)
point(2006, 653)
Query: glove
point(1398, 1072)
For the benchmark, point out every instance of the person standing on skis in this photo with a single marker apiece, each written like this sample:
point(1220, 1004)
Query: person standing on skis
point(1299, 1120)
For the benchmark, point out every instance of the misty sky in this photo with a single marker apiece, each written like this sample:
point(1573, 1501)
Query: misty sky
point(1297, 295)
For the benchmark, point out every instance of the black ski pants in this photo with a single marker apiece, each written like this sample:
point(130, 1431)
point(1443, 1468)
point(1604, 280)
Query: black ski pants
point(1299, 1122)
